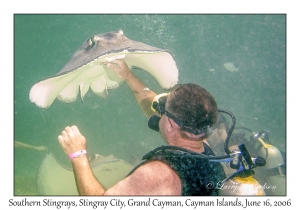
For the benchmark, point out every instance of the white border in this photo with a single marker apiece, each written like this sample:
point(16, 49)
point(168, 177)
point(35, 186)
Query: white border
point(153, 6)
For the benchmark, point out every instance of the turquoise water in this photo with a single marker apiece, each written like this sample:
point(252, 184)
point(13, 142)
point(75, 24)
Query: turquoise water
point(256, 94)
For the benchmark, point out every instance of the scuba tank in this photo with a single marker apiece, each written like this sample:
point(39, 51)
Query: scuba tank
point(271, 154)
point(241, 182)
point(273, 173)
point(241, 186)
point(244, 181)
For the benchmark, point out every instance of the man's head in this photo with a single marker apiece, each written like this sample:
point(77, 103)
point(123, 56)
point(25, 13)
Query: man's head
point(195, 107)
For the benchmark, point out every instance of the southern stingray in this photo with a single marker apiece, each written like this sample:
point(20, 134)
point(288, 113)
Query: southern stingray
point(86, 69)
point(55, 179)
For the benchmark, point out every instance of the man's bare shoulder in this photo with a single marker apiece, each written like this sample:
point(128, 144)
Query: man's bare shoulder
point(153, 178)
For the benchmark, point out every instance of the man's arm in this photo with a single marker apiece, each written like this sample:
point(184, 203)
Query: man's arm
point(153, 178)
point(86, 182)
point(73, 141)
point(142, 94)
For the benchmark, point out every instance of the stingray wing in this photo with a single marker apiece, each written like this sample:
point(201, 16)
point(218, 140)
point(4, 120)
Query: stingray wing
point(54, 179)
point(85, 69)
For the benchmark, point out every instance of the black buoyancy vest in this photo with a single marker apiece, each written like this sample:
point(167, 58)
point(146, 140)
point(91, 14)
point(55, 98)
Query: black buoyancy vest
point(198, 176)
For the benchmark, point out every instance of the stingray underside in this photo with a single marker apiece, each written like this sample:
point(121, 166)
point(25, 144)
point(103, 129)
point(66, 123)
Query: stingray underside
point(87, 70)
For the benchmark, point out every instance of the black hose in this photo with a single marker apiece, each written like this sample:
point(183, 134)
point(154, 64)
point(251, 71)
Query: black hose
point(230, 130)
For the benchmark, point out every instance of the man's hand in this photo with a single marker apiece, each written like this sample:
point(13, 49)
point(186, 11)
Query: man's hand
point(72, 140)
point(120, 67)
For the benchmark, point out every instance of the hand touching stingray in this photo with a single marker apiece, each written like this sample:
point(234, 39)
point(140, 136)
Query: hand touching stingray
point(120, 67)
point(143, 95)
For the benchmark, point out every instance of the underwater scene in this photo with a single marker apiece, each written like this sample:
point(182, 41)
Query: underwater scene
point(239, 59)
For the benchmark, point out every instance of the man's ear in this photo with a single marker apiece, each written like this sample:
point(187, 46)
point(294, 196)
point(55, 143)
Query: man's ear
point(171, 125)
